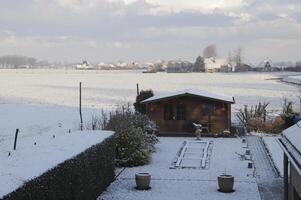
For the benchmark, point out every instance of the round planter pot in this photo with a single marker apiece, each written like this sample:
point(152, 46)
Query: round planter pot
point(143, 181)
point(225, 183)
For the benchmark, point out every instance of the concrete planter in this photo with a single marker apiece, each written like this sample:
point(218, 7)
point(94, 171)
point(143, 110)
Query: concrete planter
point(225, 183)
point(143, 181)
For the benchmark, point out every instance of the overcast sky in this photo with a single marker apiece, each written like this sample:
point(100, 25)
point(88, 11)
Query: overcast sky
point(145, 30)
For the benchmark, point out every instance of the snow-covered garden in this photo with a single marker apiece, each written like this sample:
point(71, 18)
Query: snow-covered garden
point(43, 105)
point(170, 183)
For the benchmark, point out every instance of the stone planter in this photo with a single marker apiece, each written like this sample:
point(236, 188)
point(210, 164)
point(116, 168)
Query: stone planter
point(225, 183)
point(143, 181)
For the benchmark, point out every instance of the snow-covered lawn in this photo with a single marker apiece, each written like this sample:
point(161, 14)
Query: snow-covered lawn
point(37, 120)
point(275, 151)
point(47, 126)
point(188, 184)
point(31, 160)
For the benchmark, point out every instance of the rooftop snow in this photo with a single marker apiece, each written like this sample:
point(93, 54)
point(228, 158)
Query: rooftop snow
point(293, 134)
point(199, 93)
point(30, 161)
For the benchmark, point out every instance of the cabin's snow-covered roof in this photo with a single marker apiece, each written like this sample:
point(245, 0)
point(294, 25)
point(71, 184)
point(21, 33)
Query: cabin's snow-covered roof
point(193, 92)
point(293, 135)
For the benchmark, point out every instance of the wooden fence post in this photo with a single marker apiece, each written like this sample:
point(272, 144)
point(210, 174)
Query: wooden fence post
point(80, 106)
point(16, 138)
point(137, 89)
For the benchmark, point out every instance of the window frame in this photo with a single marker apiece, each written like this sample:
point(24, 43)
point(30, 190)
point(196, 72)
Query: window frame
point(181, 111)
point(168, 112)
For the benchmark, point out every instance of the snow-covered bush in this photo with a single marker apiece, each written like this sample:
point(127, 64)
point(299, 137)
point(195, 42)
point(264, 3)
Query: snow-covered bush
point(256, 119)
point(134, 135)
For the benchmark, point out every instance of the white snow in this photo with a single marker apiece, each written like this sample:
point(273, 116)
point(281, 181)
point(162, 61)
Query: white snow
point(29, 161)
point(293, 135)
point(35, 120)
point(38, 123)
point(293, 79)
point(188, 184)
point(200, 93)
point(275, 151)
point(105, 89)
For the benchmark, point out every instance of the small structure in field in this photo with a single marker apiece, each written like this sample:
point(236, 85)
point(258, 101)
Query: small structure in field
point(291, 145)
point(175, 113)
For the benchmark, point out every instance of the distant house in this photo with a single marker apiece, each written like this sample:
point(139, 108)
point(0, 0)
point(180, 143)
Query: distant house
point(291, 145)
point(216, 65)
point(175, 113)
point(84, 66)
point(298, 66)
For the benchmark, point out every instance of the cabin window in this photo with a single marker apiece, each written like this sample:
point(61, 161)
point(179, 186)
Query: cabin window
point(168, 112)
point(208, 109)
point(220, 106)
point(181, 112)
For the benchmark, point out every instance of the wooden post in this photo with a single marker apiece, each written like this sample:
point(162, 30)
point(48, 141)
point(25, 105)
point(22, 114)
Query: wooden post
point(300, 105)
point(285, 176)
point(80, 106)
point(137, 89)
point(16, 138)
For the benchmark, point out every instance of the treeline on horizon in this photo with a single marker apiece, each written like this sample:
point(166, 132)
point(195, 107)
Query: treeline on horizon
point(15, 61)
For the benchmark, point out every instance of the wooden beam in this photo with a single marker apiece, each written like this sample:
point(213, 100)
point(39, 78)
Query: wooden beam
point(285, 176)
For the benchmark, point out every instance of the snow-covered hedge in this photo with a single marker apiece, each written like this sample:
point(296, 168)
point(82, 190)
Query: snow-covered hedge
point(135, 137)
point(85, 176)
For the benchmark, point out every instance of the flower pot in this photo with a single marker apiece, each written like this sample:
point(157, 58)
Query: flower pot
point(225, 183)
point(143, 181)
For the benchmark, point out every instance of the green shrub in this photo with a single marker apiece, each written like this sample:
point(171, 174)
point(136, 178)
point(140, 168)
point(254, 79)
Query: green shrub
point(144, 94)
point(134, 136)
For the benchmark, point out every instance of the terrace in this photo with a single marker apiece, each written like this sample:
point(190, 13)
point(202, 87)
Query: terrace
point(190, 181)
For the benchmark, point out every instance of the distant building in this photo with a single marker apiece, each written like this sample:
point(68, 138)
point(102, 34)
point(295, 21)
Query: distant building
point(243, 68)
point(216, 65)
point(291, 145)
point(298, 66)
point(179, 66)
point(84, 66)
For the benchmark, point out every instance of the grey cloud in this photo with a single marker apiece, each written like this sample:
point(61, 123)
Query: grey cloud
point(53, 30)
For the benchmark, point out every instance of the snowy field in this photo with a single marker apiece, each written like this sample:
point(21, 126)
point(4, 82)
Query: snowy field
point(53, 94)
point(103, 89)
point(30, 160)
point(293, 79)
point(188, 184)
point(275, 151)
point(38, 120)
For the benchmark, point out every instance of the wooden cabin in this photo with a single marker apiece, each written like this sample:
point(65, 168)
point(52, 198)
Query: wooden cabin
point(290, 143)
point(175, 113)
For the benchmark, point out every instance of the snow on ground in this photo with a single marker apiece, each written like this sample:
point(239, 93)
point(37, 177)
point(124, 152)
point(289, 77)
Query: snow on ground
point(293, 79)
point(275, 151)
point(103, 89)
point(29, 161)
point(188, 184)
point(38, 123)
point(35, 120)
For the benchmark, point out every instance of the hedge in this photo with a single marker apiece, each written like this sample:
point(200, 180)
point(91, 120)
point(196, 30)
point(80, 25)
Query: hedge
point(83, 177)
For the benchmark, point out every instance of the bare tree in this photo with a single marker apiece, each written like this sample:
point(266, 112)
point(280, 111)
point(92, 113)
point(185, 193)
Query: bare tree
point(210, 51)
point(238, 58)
